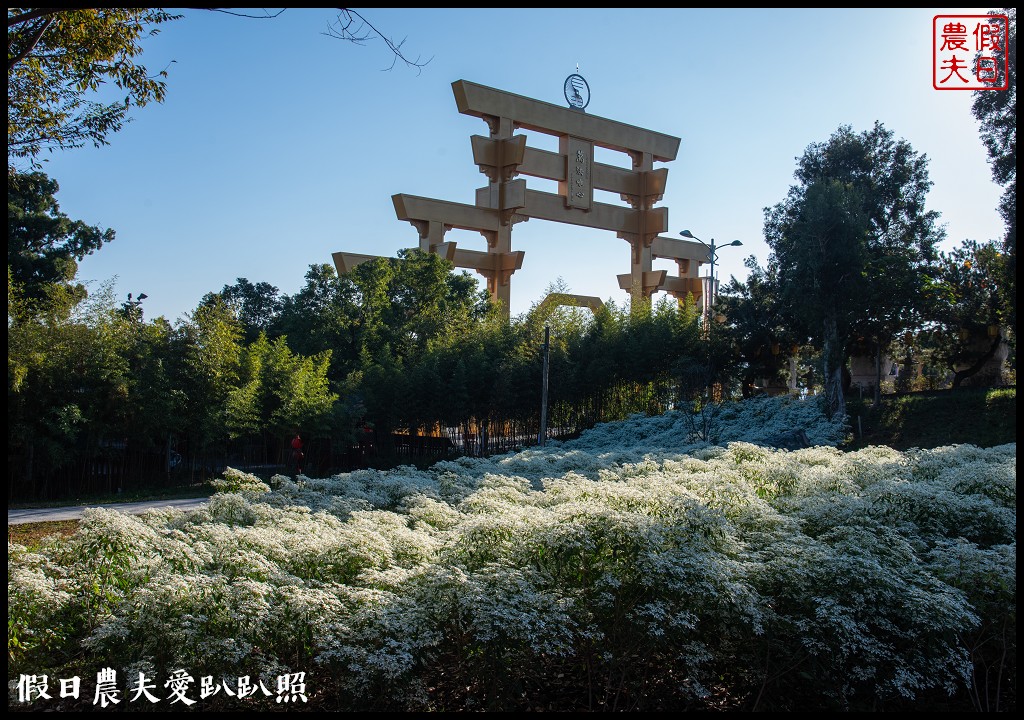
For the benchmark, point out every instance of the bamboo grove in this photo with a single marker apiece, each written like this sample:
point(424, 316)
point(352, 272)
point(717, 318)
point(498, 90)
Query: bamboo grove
point(101, 400)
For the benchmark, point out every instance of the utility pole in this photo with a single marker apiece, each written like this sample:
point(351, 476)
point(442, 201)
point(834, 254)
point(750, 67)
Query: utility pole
point(543, 436)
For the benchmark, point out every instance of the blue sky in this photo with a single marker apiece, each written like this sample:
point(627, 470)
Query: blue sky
point(277, 145)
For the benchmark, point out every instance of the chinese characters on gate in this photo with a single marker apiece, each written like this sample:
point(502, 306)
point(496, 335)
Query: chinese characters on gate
point(291, 688)
point(579, 186)
point(969, 52)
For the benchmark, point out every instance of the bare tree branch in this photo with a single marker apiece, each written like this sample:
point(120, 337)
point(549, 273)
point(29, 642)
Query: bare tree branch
point(351, 26)
point(348, 25)
point(31, 15)
point(265, 16)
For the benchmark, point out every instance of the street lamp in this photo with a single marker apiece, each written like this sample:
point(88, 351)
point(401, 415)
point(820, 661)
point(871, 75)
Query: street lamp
point(713, 257)
point(132, 308)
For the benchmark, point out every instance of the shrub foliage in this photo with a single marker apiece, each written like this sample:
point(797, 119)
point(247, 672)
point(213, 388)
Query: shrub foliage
point(630, 569)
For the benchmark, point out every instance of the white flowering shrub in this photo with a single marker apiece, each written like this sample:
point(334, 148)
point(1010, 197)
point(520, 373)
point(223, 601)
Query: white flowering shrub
point(236, 481)
point(630, 563)
point(37, 599)
point(756, 420)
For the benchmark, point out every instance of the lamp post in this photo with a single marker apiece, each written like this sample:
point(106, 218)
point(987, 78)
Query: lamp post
point(542, 436)
point(713, 257)
point(133, 308)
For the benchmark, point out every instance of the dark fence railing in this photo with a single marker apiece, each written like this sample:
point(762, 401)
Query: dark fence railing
point(119, 469)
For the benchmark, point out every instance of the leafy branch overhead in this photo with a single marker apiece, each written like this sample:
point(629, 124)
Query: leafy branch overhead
point(59, 59)
point(56, 58)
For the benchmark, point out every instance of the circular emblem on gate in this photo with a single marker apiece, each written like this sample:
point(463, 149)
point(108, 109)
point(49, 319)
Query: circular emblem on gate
point(577, 92)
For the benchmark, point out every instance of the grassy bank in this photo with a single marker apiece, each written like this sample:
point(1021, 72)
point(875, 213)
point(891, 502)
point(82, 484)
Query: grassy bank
point(982, 417)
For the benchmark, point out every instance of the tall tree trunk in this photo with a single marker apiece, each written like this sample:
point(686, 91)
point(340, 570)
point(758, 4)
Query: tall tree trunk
point(29, 467)
point(878, 373)
point(832, 367)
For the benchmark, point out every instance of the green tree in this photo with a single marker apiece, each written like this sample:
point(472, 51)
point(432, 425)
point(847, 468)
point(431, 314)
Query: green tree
point(150, 418)
point(57, 58)
point(756, 326)
point(206, 349)
point(966, 300)
point(44, 246)
point(818, 244)
point(455, 409)
point(406, 303)
point(996, 111)
point(144, 410)
point(383, 389)
point(323, 315)
point(69, 388)
point(852, 243)
point(279, 392)
point(257, 306)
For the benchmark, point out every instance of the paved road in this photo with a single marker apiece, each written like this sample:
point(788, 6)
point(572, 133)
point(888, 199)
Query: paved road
point(31, 515)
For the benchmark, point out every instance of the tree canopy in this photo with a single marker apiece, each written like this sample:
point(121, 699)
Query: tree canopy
point(967, 298)
point(258, 305)
point(57, 59)
point(44, 246)
point(756, 325)
point(852, 242)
